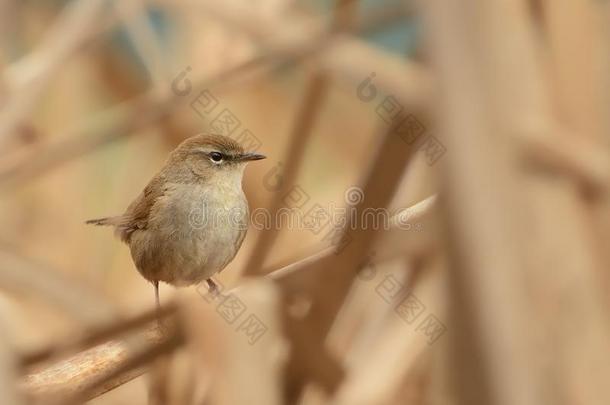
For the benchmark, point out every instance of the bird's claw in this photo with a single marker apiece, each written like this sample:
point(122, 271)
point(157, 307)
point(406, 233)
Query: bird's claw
point(212, 287)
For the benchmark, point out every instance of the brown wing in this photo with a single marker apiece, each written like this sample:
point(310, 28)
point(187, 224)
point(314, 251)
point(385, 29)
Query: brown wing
point(138, 212)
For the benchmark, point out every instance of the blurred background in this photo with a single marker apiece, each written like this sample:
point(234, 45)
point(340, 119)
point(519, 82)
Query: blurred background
point(512, 100)
point(119, 58)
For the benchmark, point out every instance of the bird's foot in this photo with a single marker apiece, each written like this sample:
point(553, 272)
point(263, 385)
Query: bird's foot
point(212, 286)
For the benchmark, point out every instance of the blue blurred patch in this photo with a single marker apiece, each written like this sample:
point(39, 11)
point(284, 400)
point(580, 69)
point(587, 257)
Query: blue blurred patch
point(400, 37)
point(162, 28)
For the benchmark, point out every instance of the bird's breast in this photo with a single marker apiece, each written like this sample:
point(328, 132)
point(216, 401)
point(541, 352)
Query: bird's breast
point(201, 229)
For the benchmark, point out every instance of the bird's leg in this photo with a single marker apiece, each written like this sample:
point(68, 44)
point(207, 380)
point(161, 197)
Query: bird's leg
point(161, 323)
point(163, 329)
point(157, 301)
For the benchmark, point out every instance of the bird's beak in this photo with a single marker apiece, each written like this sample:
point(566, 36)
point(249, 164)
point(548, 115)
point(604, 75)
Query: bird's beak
point(252, 156)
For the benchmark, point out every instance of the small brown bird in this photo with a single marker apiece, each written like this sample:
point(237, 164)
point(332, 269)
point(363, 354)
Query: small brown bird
point(192, 217)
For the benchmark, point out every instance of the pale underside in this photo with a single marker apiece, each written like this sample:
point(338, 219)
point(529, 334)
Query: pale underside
point(192, 233)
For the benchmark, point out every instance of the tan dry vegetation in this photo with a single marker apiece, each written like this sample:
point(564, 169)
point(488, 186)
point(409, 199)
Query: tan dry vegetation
point(503, 268)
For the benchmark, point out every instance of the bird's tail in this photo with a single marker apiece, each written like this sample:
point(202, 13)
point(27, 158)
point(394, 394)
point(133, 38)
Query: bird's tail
point(109, 221)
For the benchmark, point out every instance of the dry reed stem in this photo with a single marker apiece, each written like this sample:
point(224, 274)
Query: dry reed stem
point(302, 128)
point(581, 84)
point(377, 370)
point(230, 359)
point(8, 366)
point(491, 307)
point(27, 78)
point(301, 131)
point(526, 177)
point(356, 60)
point(143, 37)
point(95, 336)
point(75, 300)
point(106, 127)
point(328, 292)
point(390, 243)
point(488, 301)
point(97, 370)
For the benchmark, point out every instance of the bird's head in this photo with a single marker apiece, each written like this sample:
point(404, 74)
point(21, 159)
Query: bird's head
point(214, 158)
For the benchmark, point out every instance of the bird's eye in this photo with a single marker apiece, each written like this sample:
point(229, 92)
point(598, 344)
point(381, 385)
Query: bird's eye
point(216, 157)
